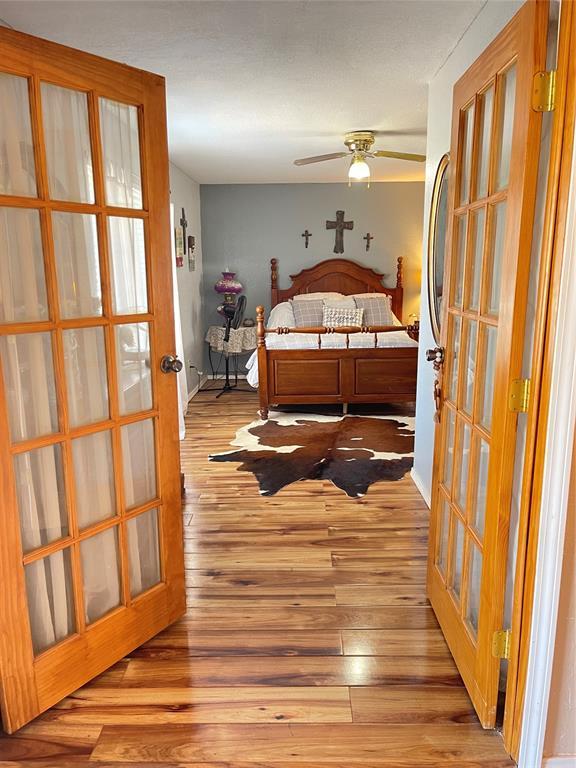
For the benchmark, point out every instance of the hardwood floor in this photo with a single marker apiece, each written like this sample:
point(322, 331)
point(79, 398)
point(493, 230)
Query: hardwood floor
point(308, 641)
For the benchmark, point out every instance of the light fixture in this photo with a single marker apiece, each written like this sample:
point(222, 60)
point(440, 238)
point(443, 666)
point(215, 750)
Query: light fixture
point(359, 169)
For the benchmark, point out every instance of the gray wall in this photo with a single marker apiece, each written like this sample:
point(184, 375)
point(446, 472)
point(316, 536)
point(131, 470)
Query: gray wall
point(245, 225)
point(185, 193)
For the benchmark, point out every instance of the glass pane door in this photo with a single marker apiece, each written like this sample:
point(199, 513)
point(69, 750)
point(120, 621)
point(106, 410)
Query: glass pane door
point(484, 311)
point(80, 391)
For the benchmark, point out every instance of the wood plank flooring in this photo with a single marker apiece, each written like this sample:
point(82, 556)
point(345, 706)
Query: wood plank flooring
point(308, 640)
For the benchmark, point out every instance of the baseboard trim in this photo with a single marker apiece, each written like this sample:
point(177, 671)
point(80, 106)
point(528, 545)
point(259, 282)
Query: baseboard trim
point(198, 387)
point(566, 761)
point(424, 491)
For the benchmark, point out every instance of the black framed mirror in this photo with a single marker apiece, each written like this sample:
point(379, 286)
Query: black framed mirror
point(437, 244)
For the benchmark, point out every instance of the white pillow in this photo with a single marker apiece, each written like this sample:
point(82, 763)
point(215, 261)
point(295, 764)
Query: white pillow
point(282, 316)
point(334, 317)
point(345, 302)
point(316, 296)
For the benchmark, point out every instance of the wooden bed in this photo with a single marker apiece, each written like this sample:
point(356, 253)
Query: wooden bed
point(345, 375)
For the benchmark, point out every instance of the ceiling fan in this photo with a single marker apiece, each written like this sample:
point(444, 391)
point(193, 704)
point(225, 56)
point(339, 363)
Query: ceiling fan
point(359, 145)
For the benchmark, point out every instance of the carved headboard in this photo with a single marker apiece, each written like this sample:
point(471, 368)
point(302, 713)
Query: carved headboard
point(340, 275)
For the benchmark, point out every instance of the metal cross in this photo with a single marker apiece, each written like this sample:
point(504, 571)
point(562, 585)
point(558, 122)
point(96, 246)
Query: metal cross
point(368, 237)
point(339, 225)
point(307, 235)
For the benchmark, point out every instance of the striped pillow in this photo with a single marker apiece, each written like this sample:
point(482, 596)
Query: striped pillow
point(377, 310)
point(336, 318)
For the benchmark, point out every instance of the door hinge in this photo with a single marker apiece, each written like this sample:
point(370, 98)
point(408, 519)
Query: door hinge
point(519, 395)
point(544, 91)
point(501, 643)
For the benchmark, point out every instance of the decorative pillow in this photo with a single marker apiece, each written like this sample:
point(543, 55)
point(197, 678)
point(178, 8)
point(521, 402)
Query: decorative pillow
point(336, 318)
point(282, 316)
point(377, 310)
point(307, 313)
point(315, 296)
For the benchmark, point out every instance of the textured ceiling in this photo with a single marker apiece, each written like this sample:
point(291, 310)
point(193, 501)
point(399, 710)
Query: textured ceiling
point(253, 85)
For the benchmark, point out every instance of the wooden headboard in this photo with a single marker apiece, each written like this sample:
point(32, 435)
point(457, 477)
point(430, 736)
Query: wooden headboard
point(340, 275)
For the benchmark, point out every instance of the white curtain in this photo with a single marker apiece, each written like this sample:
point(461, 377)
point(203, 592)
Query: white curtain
point(27, 360)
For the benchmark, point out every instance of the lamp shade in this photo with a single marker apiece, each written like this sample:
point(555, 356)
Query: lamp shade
point(228, 284)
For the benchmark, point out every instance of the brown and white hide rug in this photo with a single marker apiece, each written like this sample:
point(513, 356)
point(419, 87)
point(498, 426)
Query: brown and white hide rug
point(351, 451)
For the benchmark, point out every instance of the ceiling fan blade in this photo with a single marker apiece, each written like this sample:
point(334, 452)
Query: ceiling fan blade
point(320, 158)
point(399, 155)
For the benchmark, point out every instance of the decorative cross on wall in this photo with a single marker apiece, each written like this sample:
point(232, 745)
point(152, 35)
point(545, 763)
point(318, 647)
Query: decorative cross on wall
point(339, 225)
point(307, 235)
point(368, 237)
point(184, 225)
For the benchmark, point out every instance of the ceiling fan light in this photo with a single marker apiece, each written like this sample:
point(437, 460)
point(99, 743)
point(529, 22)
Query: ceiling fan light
point(359, 169)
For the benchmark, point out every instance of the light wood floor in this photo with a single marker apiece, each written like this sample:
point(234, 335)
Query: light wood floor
point(308, 640)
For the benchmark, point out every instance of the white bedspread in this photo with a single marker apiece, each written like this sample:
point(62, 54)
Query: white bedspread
point(328, 341)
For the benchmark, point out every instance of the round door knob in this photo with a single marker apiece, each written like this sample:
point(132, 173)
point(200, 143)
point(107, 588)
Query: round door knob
point(170, 364)
point(435, 355)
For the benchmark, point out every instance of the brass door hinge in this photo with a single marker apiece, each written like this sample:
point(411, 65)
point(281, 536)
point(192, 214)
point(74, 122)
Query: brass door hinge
point(544, 91)
point(501, 642)
point(519, 395)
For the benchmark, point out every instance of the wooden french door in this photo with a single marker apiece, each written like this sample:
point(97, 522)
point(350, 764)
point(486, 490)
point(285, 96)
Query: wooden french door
point(91, 556)
point(495, 148)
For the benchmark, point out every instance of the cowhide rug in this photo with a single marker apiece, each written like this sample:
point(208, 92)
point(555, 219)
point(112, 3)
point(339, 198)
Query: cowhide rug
point(351, 451)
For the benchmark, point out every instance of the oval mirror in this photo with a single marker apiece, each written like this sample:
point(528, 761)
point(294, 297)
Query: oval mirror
point(437, 244)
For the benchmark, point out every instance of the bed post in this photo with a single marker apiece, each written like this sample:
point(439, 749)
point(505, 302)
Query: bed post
point(262, 362)
point(399, 296)
point(274, 281)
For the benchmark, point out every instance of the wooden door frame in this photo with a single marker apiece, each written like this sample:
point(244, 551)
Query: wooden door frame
point(549, 435)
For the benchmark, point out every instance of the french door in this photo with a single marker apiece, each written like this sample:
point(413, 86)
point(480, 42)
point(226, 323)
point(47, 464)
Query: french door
point(495, 142)
point(91, 557)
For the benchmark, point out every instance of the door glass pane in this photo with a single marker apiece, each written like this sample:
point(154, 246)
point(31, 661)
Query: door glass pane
point(498, 231)
point(144, 549)
point(77, 265)
point(100, 573)
point(128, 265)
point(489, 367)
point(459, 254)
point(121, 148)
point(17, 173)
point(449, 449)
point(478, 511)
point(457, 554)
point(29, 385)
point(94, 478)
point(486, 102)
point(133, 364)
point(444, 521)
point(50, 600)
point(475, 258)
point(85, 363)
point(470, 365)
point(474, 582)
point(139, 456)
point(453, 354)
point(464, 454)
point(39, 477)
point(466, 144)
point(22, 282)
point(67, 140)
point(505, 127)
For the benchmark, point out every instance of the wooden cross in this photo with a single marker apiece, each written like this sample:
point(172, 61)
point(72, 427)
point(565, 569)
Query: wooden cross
point(368, 237)
point(183, 224)
point(339, 225)
point(306, 235)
